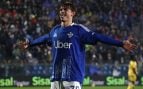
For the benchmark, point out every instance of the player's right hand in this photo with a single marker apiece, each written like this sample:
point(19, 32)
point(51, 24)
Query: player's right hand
point(22, 45)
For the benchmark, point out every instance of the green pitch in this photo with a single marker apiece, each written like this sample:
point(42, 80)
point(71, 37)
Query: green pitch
point(101, 87)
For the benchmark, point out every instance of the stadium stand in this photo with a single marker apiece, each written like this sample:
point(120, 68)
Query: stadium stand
point(31, 18)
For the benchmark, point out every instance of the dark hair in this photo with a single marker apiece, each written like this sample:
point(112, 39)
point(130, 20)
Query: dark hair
point(68, 5)
point(132, 57)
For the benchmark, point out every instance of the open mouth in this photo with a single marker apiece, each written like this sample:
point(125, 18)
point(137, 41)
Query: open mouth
point(62, 15)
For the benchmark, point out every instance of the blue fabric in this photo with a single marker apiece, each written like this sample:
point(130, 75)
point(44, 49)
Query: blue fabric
point(68, 50)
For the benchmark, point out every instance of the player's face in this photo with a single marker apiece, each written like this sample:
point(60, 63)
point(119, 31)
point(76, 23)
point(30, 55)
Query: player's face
point(66, 14)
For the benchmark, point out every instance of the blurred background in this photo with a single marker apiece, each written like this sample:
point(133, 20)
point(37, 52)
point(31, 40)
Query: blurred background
point(119, 19)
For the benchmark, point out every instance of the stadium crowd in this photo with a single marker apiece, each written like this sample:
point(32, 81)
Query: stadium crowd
point(20, 19)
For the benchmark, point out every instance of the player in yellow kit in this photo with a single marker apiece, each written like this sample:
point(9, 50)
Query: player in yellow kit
point(132, 73)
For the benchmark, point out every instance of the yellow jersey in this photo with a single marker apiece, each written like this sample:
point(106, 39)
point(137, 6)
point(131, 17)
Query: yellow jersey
point(132, 68)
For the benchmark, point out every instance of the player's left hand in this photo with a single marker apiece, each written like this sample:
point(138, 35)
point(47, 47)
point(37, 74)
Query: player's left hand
point(128, 45)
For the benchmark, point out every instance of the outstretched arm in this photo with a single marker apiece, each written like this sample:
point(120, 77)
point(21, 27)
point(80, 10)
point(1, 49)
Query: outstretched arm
point(41, 40)
point(107, 40)
point(30, 43)
point(126, 44)
point(89, 37)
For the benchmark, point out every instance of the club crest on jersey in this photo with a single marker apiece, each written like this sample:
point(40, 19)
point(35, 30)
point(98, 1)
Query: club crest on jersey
point(70, 34)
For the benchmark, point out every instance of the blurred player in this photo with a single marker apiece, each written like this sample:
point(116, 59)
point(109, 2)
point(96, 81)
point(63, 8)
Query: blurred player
point(132, 72)
point(67, 41)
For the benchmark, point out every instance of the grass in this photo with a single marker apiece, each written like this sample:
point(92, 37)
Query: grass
point(97, 87)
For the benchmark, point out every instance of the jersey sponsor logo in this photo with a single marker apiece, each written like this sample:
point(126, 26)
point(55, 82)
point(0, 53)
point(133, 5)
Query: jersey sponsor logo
point(59, 44)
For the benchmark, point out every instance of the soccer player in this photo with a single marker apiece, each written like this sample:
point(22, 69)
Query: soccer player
point(67, 41)
point(132, 73)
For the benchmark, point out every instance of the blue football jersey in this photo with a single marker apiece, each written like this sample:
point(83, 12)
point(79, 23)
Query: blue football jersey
point(68, 50)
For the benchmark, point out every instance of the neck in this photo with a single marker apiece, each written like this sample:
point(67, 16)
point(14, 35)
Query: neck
point(65, 24)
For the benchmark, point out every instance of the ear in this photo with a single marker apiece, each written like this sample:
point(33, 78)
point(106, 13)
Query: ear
point(74, 13)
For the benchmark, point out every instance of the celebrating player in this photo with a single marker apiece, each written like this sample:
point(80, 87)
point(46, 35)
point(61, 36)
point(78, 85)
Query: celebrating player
point(132, 72)
point(67, 41)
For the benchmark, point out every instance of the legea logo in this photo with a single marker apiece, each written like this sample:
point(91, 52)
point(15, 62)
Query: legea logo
point(59, 44)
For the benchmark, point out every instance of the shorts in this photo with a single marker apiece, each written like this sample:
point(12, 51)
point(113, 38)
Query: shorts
point(65, 85)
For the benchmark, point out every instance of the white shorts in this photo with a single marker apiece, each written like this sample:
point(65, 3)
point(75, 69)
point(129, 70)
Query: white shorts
point(65, 85)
